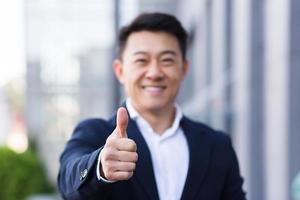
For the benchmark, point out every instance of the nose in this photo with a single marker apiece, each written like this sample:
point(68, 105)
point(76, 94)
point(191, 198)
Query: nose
point(154, 71)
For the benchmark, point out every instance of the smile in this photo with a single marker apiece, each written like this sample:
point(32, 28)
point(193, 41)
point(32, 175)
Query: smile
point(155, 90)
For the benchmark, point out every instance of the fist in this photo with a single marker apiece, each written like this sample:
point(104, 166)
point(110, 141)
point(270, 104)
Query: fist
point(119, 156)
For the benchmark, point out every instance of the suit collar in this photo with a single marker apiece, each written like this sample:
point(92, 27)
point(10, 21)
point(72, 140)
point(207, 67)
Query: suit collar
point(199, 150)
point(144, 173)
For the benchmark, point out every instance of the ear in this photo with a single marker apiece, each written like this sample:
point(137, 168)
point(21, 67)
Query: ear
point(118, 69)
point(185, 68)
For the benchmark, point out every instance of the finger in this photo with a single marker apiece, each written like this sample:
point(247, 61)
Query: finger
point(125, 144)
point(120, 144)
point(126, 166)
point(119, 175)
point(120, 166)
point(113, 154)
point(126, 156)
point(122, 122)
point(123, 156)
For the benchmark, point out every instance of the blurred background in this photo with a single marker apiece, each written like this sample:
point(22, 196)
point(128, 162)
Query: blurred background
point(56, 67)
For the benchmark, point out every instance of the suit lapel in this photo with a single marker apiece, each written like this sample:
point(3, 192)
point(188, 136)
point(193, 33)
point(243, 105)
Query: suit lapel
point(199, 150)
point(144, 171)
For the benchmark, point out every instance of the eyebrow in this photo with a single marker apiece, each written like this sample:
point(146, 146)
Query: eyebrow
point(161, 53)
point(139, 52)
point(168, 52)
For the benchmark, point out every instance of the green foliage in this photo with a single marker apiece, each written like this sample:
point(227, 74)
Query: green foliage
point(21, 175)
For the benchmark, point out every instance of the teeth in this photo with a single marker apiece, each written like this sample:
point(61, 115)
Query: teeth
point(153, 88)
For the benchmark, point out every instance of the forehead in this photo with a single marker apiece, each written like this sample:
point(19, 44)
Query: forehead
point(151, 42)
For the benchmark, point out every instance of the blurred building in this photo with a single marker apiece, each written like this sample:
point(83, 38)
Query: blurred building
point(65, 77)
point(245, 75)
point(12, 65)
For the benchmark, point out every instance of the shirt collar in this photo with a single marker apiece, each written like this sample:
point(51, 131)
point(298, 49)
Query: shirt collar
point(133, 113)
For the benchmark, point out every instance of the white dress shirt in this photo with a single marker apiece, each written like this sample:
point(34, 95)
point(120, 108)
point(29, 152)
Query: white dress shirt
point(169, 154)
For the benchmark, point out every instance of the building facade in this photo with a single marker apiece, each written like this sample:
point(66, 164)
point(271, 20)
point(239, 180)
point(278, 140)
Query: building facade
point(245, 63)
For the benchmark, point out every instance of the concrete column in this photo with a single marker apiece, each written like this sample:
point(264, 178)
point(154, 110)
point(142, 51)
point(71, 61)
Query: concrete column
point(256, 100)
point(240, 61)
point(294, 90)
point(276, 99)
point(218, 63)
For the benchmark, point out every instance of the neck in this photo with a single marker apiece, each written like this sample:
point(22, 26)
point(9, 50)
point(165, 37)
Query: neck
point(160, 120)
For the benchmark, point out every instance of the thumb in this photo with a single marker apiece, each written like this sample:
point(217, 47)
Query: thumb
point(122, 122)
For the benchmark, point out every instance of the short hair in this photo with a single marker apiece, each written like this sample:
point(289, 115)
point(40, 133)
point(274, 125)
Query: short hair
point(154, 22)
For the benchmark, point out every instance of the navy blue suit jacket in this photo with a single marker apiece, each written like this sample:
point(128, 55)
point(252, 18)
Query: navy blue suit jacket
point(213, 172)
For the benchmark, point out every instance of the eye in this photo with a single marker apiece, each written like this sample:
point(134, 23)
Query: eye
point(167, 61)
point(141, 61)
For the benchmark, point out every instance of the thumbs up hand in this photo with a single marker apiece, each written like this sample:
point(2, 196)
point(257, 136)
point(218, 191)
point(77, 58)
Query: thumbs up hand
point(119, 156)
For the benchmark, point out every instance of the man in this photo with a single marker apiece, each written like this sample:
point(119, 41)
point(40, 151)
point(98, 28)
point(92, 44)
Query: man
point(149, 149)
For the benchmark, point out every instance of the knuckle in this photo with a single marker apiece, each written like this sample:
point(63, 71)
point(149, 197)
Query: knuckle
point(133, 165)
point(129, 175)
point(110, 141)
point(110, 166)
point(111, 155)
point(104, 158)
point(109, 175)
point(106, 155)
point(132, 145)
point(125, 176)
point(136, 157)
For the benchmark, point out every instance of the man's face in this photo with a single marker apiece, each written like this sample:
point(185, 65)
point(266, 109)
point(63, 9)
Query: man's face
point(151, 70)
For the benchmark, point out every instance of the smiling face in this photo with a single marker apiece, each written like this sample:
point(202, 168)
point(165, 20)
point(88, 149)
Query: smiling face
point(151, 70)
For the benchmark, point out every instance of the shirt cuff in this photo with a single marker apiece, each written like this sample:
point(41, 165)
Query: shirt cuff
point(99, 177)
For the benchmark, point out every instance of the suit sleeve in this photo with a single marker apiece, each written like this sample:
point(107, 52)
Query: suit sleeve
point(77, 177)
point(233, 183)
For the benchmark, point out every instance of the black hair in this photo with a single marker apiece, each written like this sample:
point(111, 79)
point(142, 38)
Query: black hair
point(155, 22)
